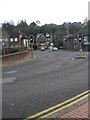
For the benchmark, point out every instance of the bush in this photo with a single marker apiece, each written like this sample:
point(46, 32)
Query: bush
point(10, 50)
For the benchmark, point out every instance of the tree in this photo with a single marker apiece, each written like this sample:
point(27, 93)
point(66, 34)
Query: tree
point(58, 38)
point(22, 26)
point(34, 29)
point(9, 28)
point(33, 24)
point(75, 27)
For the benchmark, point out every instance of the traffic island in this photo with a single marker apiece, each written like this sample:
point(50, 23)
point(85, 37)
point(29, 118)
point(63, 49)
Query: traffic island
point(80, 57)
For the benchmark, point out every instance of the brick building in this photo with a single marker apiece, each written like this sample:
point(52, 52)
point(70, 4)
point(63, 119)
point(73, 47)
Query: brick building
point(41, 41)
point(68, 42)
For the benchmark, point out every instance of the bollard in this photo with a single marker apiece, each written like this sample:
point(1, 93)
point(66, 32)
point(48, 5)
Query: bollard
point(81, 54)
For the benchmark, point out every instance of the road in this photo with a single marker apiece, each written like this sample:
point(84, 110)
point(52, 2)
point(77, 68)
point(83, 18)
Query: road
point(31, 87)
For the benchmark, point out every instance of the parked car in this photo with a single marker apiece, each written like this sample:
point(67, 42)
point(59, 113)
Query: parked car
point(54, 49)
point(61, 47)
point(42, 48)
point(45, 47)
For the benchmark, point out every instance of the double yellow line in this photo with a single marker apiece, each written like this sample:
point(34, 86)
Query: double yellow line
point(57, 108)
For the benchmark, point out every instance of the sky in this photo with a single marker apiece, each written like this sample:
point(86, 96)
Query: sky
point(46, 11)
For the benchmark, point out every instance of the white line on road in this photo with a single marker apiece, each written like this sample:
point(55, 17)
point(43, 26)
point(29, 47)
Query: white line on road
point(49, 69)
point(53, 67)
point(71, 60)
point(8, 80)
point(10, 72)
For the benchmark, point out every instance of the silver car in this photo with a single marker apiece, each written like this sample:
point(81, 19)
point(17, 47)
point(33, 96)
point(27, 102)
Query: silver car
point(54, 49)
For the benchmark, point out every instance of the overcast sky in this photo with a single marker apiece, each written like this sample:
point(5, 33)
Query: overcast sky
point(47, 11)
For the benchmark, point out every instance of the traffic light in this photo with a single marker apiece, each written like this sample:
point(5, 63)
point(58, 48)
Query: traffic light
point(75, 40)
point(80, 37)
point(31, 39)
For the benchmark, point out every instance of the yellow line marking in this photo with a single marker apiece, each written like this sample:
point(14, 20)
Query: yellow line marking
point(68, 105)
point(53, 107)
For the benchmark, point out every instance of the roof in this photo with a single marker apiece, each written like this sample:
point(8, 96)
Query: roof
point(41, 38)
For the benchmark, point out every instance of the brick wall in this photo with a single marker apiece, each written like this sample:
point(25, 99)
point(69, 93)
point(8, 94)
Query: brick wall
point(11, 58)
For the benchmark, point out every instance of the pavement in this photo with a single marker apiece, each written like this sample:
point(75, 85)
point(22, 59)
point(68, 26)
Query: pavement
point(77, 111)
point(20, 61)
point(81, 112)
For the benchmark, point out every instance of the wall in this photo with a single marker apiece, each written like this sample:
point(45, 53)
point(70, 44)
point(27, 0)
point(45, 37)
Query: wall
point(12, 58)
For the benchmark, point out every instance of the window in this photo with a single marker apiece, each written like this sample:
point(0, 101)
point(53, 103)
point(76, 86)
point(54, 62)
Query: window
point(6, 40)
point(0, 39)
point(11, 39)
point(16, 39)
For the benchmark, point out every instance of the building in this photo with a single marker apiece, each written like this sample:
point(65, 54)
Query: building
point(41, 41)
point(68, 42)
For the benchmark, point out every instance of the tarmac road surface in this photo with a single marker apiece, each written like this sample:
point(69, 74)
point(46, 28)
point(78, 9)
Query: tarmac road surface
point(33, 86)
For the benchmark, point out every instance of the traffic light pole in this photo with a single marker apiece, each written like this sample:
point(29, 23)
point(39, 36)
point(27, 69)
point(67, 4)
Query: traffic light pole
point(31, 37)
point(80, 41)
point(80, 46)
point(32, 49)
point(80, 50)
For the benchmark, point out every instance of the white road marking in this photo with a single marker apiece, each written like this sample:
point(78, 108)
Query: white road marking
point(10, 72)
point(71, 60)
point(53, 67)
point(49, 69)
point(8, 80)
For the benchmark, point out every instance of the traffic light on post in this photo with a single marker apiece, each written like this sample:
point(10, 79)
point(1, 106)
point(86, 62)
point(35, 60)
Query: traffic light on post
point(80, 37)
point(31, 39)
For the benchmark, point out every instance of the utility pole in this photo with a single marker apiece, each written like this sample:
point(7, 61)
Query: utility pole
point(67, 33)
point(32, 50)
point(67, 27)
